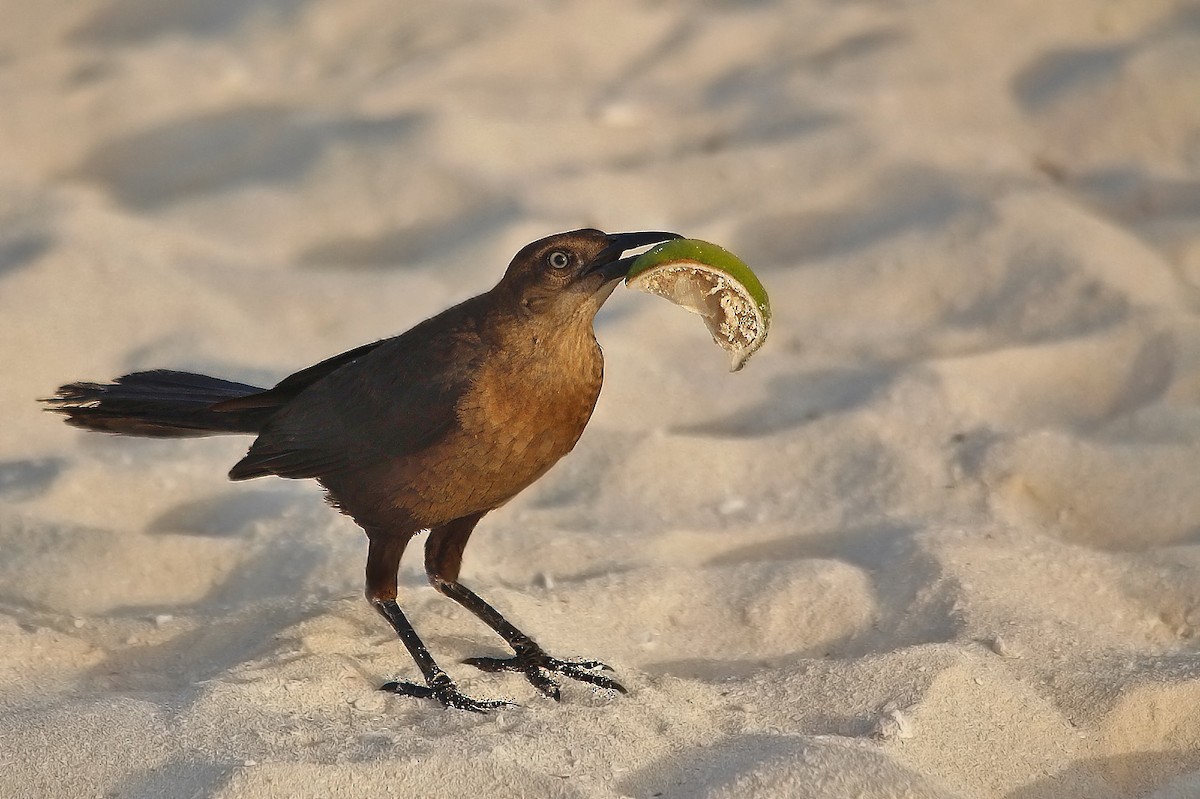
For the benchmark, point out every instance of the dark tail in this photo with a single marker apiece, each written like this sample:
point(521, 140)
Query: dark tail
point(162, 404)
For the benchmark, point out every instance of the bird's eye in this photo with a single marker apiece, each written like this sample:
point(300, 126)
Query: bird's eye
point(558, 259)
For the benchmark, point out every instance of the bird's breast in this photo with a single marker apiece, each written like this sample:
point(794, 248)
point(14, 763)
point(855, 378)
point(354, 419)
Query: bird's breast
point(535, 408)
point(520, 415)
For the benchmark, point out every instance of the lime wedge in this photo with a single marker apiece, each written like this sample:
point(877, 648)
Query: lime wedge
point(713, 282)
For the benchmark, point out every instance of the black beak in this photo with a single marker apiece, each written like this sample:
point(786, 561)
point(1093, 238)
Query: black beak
point(609, 262)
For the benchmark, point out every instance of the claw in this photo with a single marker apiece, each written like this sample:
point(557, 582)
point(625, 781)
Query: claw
point(489, 664)
point(591, 664)
point(534, 663)
point(446, 693)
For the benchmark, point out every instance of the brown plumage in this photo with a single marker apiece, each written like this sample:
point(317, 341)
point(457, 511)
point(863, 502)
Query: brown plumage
point(429, 430)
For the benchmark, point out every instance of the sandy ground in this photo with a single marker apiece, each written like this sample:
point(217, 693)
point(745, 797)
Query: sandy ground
point(941, 538)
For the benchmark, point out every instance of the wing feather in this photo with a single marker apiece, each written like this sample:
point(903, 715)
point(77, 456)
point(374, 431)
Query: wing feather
point(393, 399)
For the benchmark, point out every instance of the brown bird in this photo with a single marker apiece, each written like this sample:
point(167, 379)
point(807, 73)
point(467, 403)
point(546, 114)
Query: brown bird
point(428, 430)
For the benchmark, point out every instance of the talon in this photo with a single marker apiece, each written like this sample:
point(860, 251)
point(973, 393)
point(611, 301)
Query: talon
point(447, 693)
point(533, 663)
point(489, 664)
point(600, 682)
point(407, 689)
point(543, 683)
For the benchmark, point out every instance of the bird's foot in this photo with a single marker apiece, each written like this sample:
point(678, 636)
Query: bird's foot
point(446, 692)
point(534, 663)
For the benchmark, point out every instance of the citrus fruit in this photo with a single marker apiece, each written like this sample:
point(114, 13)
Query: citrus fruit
point(713, 282)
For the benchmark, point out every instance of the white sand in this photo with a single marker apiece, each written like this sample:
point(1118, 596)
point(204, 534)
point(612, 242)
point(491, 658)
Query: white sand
point(941, 538)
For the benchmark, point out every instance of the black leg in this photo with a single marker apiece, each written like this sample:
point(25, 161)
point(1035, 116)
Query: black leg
point(383, 561)
point(530, 659)
point(438, 684)
point(443, 560)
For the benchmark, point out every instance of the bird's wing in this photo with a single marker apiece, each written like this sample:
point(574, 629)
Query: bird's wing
point(397, 398)
point(287, 389)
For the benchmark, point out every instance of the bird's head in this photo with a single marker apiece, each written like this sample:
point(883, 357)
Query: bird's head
point(572, 273)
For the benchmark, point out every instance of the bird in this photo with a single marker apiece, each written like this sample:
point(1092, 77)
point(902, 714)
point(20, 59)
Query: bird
point(429, 430)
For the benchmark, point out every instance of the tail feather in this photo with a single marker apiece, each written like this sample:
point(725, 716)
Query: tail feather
point(160, 403)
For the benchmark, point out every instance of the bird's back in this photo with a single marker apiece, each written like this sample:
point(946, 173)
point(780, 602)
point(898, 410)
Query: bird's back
point(455, 416)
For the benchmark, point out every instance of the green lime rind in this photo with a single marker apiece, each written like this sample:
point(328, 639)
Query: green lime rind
point(711, 255)
point(710, 281)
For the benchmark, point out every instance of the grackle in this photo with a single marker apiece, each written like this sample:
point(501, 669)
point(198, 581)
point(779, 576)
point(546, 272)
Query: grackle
point(428, 430)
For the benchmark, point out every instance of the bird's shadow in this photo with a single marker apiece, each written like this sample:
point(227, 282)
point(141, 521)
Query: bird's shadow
point(273, 588)
point(232, 514)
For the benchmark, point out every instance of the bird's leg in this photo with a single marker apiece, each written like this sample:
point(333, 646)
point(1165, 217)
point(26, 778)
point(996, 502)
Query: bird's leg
point(530, 659)
point(383, 561)
point(443, 560)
